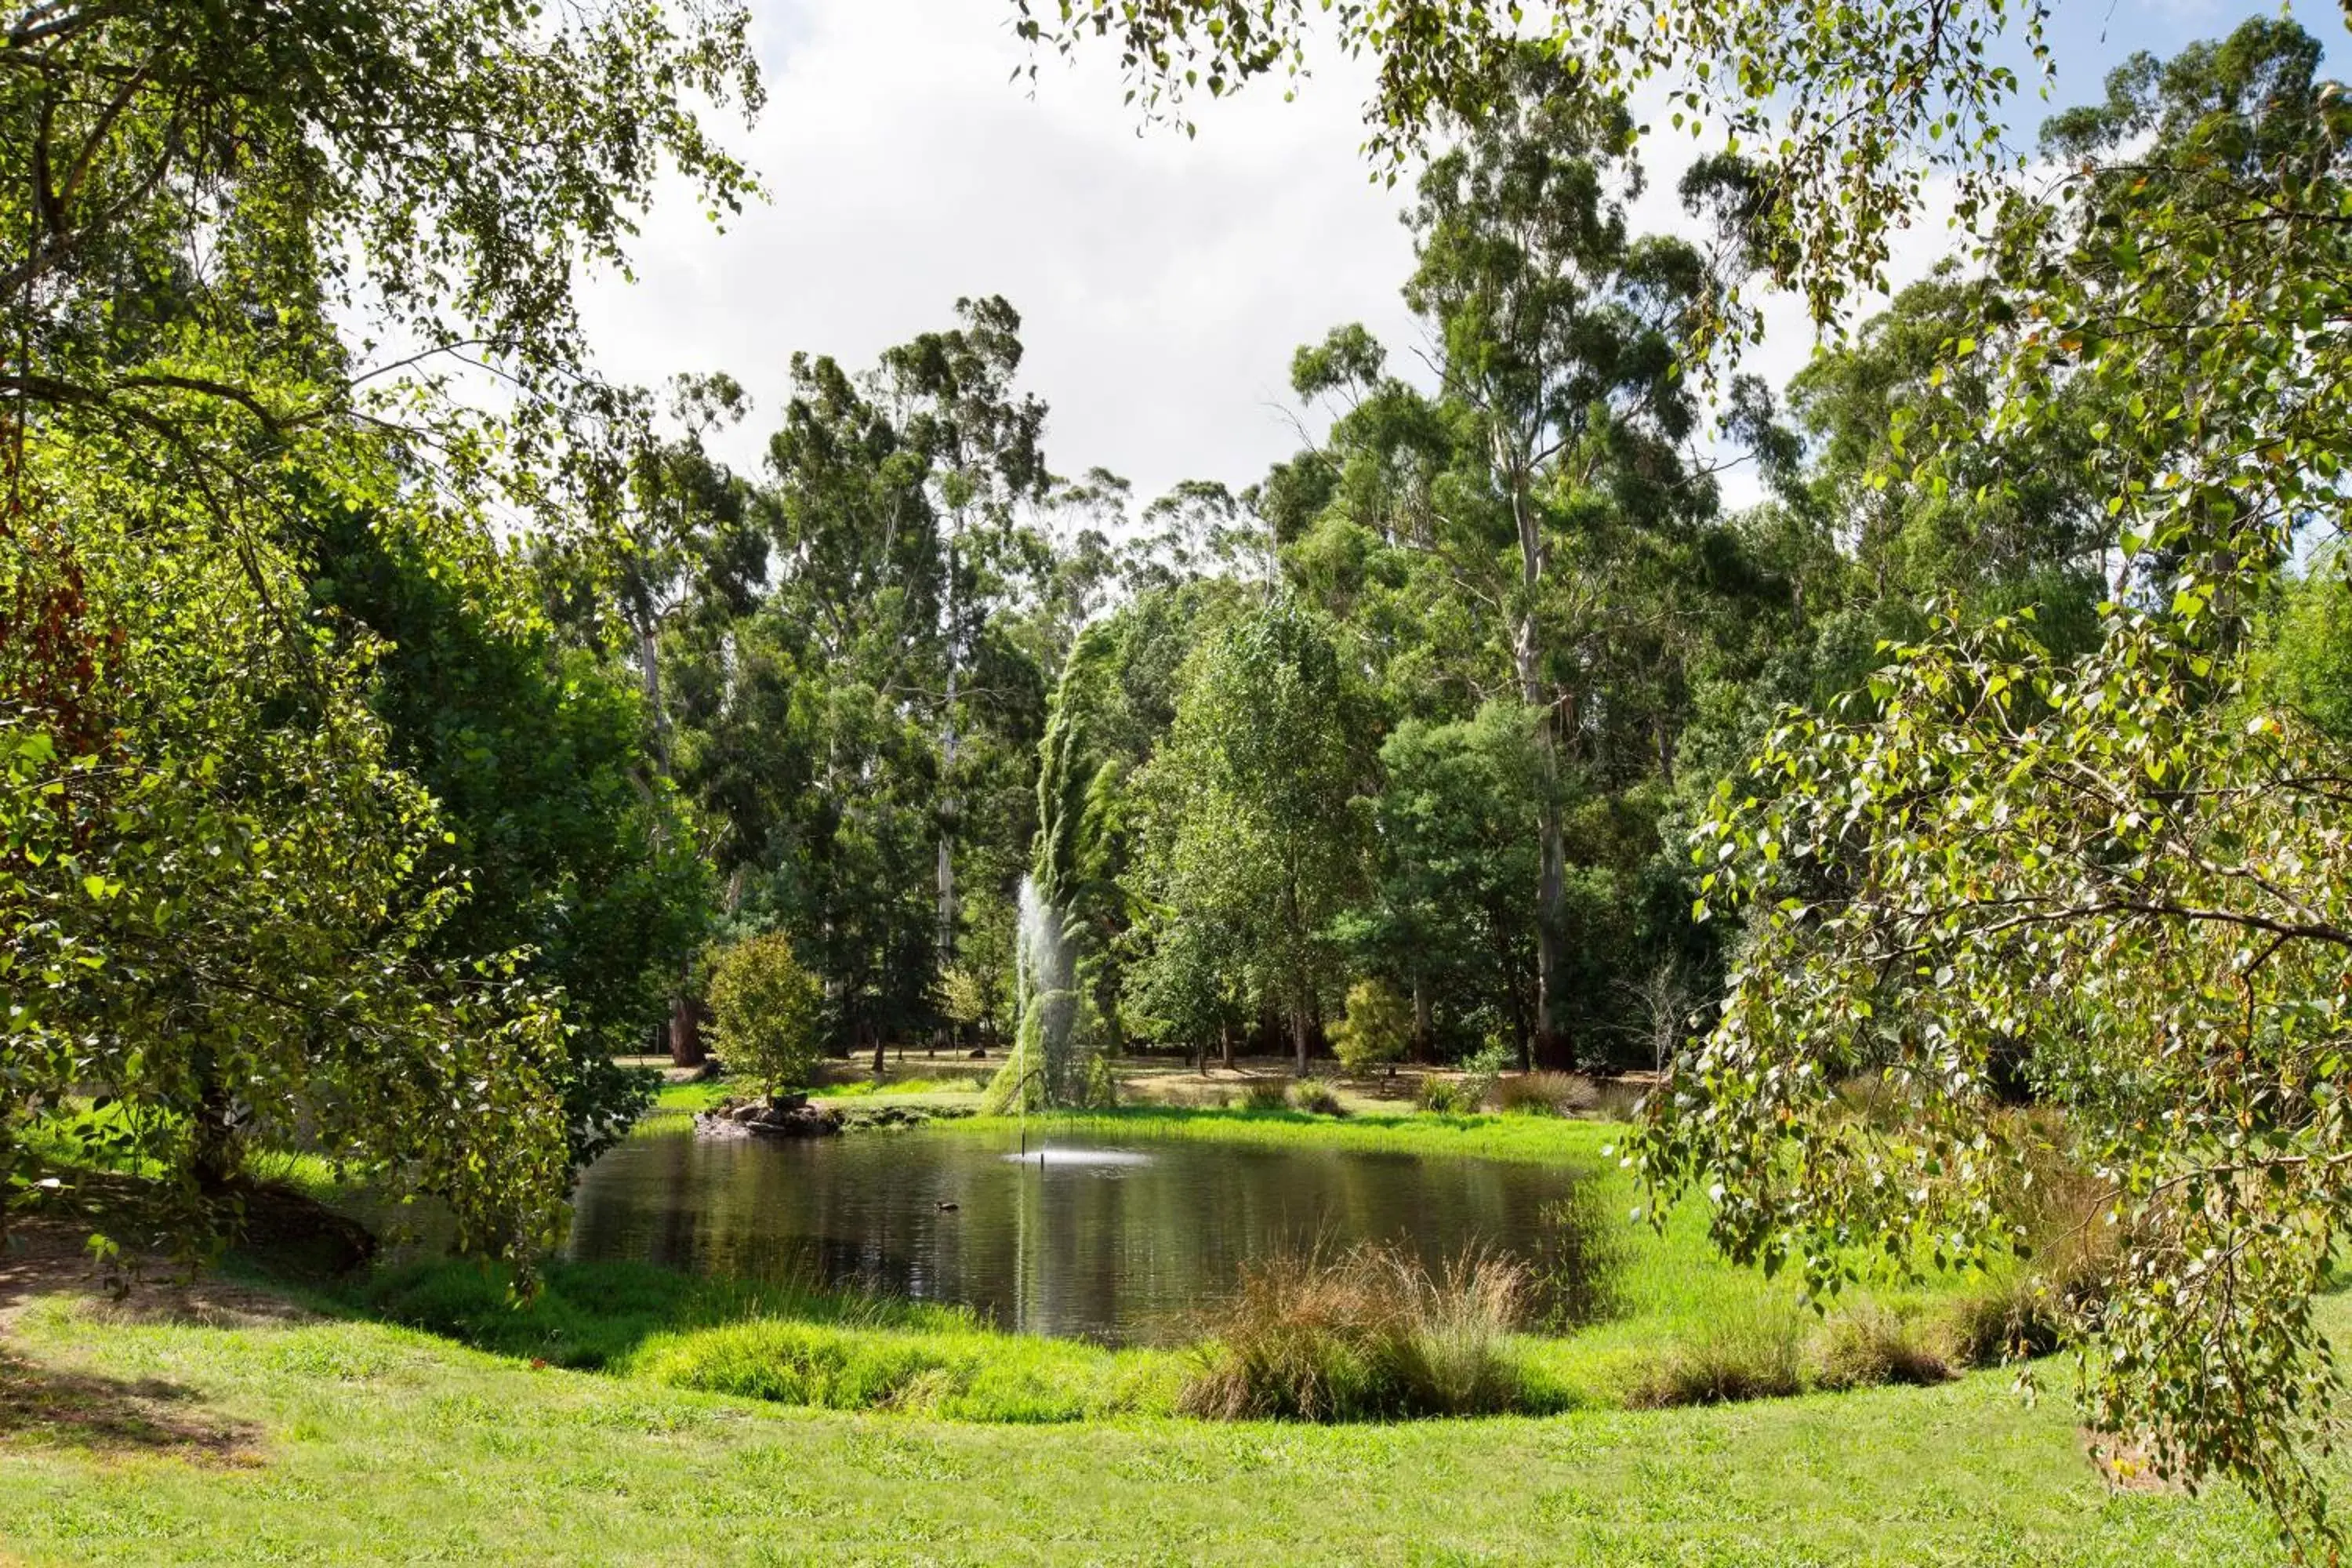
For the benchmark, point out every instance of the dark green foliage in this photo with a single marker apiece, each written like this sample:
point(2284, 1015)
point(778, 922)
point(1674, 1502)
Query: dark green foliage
point(766, 1012)
point(535, 756)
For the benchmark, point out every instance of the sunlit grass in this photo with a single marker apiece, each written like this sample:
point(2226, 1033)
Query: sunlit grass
point(355, 1442)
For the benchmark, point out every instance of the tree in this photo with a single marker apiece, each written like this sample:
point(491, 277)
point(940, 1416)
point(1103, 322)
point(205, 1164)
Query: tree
point(2116, 880)
point(1448, 912)
point(1849, 160)
point(238, 177)
point(241, 935)
point(1375, 1030)
point(221, 901)
point(1254, 791)
point(534, 754)
point(765, 1011)
point(952, 397)
point(1545, 488)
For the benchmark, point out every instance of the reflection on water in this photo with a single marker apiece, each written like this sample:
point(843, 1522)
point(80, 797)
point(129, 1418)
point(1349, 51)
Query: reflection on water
point(1116, 1245)
point(1044, 1155)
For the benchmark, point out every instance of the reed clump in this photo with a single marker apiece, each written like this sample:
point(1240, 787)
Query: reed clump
point(1366, 1334)
point(1546, 1094)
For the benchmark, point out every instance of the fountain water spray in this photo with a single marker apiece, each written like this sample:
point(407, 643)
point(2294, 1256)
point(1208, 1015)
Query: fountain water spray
point(1046, 1001)
point(1053, 1061)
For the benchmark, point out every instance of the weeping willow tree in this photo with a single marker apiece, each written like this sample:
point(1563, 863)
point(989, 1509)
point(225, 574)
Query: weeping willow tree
point(1066, 984)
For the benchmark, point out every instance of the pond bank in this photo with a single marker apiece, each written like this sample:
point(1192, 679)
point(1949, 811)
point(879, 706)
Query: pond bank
point(1681, 1325)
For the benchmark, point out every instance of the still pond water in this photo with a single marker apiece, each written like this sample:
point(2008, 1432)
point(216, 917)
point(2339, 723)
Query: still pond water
point(1121, 1245)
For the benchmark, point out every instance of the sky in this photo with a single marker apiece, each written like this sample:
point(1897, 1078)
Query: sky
point(1162, 282)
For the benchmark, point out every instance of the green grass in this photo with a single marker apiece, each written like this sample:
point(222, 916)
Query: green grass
point(962, 1373)
point(733, 1422)
point(686, 1099)
point(347, 1442)
point(862, 1088)
point(674, 1099)
point(1540, 1139)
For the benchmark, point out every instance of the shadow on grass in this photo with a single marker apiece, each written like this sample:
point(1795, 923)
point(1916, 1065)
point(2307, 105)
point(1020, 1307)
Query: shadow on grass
point(594, 1315)
point(110, 1416)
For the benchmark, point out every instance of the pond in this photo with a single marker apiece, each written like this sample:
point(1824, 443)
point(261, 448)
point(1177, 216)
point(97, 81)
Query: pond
point(1122, 1244)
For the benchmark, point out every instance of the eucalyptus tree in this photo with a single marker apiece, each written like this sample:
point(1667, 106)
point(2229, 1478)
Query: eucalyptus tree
point(951, 396)
point(1258, 833)
point(1548, 471)
point(911, 697)
point(1999, 522)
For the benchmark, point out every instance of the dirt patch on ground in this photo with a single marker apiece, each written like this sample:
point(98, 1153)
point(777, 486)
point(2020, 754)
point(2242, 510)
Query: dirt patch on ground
point(114, 1417)
point(52, 1258)
point(41, 1402)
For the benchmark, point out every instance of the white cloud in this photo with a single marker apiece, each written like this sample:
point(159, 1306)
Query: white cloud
point(1163, 281)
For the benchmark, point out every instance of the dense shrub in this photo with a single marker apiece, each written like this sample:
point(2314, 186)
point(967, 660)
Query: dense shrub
point(1315, 1097)
point(1375, 1030)
point(1367, 1335)
point(765, 1011)
point(1481, 1068)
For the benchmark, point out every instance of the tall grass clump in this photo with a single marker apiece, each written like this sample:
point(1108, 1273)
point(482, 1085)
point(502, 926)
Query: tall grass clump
point(1869, 1347)
point(1369, 1334)
point(1755, 1351)
point(1545, 1094)
point(2057, 1278)
point(1267, 1094)
point(1444, 1097)
point(1316, 1098)
point(1581, 1260)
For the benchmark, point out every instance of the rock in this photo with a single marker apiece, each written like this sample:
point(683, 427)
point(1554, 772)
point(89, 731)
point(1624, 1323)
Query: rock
point(718, 1124)
point(805, 1121)
point(784, 1116)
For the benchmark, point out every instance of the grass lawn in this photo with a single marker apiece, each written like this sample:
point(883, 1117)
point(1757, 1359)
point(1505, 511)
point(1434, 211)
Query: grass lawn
point(146, 1442)
point(283, 1424)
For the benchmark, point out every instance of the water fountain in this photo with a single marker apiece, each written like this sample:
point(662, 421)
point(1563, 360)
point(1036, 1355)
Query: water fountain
point(1045, 1069)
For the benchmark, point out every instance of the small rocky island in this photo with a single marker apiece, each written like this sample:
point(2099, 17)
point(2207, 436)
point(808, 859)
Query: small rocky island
point(773, 1116)
point(791, 1116)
